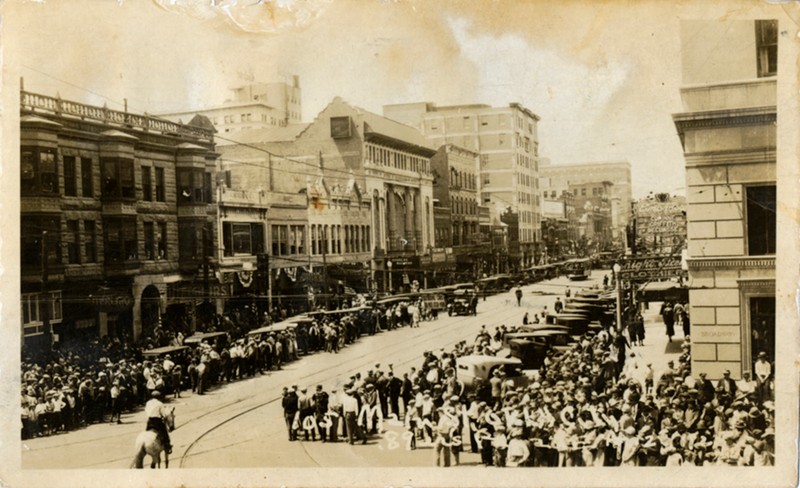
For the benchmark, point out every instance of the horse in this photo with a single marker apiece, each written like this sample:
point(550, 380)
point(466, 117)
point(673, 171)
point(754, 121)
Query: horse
point(148, 443)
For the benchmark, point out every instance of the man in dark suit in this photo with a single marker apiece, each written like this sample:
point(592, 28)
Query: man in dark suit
point(705, 389)
point(382, 386)
point(406, 391)
point(394, 387)
point(290, 407)
point(726, 388)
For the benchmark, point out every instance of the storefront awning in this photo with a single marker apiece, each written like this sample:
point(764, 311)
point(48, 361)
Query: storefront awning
point(659, 291)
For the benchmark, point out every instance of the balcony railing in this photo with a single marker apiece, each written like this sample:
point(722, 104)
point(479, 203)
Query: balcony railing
point(55, 105)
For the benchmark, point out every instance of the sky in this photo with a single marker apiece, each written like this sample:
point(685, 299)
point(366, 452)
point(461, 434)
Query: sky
point(604, 77)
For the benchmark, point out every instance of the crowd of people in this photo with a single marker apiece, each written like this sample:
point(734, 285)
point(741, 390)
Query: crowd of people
point(81, 383)
point(597, 404)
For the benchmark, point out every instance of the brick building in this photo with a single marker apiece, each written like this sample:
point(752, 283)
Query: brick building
point(116, 211)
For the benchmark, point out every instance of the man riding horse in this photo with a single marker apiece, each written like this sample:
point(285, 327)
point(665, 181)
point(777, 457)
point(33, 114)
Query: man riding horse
point(155, 419)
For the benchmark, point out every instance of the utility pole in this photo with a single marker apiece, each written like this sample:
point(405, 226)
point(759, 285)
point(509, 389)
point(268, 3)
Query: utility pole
point(325, 264)
point(206, 291)
point(44, 302)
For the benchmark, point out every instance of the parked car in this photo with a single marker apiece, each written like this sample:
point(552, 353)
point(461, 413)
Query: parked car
point(532, 352)
point(475, 369)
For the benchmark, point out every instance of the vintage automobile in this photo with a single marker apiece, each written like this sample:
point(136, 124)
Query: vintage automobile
point(552, 337)
point(495, 284)
point(475, 369)
point(161, 352)
point(459, 304)
point(532, 352)
point(538, 327)
point(218, 340)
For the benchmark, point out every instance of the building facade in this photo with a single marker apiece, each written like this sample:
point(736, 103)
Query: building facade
point(728, 133)
point(366, 186)
point(253, 106)
point(117, 213)
point(558, 178)
point(560, 227)
point(507, 140)
point(455, 197)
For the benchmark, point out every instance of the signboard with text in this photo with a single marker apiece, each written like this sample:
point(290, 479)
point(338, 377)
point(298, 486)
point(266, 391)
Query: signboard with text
point(651, 268)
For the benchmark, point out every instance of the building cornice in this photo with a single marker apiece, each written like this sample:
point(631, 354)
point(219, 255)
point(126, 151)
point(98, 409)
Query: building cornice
point(725, 118)
point(736, 262)
point(756, 283)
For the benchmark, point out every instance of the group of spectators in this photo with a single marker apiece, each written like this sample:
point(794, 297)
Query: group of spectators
point(585, 410)
point(87, 382)
point(596, 404)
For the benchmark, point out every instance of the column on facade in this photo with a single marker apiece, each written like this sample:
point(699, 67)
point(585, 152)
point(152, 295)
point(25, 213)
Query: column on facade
point(408, 214)
point(382, 224)
point(390, 205)
point(418, 221)
point(377, 229)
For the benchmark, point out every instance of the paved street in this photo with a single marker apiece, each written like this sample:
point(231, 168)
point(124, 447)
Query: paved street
point(241, 424)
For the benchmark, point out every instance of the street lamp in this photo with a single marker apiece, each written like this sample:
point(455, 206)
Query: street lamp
point(617, 269)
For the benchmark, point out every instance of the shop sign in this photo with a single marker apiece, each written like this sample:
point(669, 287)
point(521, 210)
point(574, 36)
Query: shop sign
point(651, 268)
point(109, 303)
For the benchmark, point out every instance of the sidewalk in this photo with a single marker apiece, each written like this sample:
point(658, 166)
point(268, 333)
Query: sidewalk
point(657, 349)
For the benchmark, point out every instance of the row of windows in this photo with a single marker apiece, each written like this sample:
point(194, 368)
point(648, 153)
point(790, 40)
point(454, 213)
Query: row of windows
point(121, 243)
point(465, 123)
point(340, 239)
point(78, 244)
point(384, 156)
point(552, 194)
point(39, 176)
point(463, 206)
point(462, 179)
point(459, 234)
point(525, 179)
point(288, 240)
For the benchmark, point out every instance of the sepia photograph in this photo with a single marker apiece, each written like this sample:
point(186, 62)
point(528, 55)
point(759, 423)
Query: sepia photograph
point(399, 243)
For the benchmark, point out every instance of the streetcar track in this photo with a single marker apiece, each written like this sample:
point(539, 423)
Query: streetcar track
point(428, 335)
